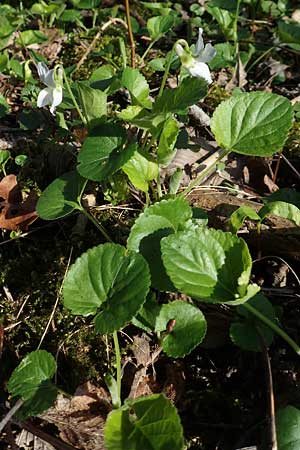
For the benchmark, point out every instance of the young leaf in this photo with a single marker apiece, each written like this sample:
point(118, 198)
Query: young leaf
point(93, 102)
point(288, 428)
point(138, 87)
point(281, 209)
point(61, 197)
point(148, 423)
point(30, 381)
point(287, 195)
point(96, 158)
point(160, 25)
point(238, 217)
point(188, 331)
point(140, 170)
point(208, 264)
point(246, 331)
point(156, 222)
point(255, 123)
point(167, 141)
point(107, 280)
point(189, 92)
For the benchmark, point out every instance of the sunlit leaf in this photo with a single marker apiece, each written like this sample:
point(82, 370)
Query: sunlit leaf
point(148, 423)
point(107, 281)
point(288, 428)
point(188, 328)
point(255, 123)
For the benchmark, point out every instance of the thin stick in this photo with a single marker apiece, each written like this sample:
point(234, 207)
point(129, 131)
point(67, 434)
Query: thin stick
point(97, 224)
point(97, 36)
point(271, 399)
point(118, 363)
point(10, 413)
point(276, 168)
point(131, 38)
point(57, 443)
point(56, 301)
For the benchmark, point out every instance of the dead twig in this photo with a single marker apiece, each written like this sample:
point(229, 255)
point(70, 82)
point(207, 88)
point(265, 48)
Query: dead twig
point(97, 36)
point(131, 38)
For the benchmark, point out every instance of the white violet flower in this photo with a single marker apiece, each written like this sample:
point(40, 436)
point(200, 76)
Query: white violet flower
point(53, 94)
point(195, 62)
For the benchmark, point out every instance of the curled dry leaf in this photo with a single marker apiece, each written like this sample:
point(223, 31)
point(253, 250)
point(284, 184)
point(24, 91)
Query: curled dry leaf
point(16, 213)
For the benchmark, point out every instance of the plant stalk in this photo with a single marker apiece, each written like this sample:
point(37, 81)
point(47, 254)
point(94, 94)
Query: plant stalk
point(96, 223)
point(204, 173)
point(131, 38)
point(84, 121)
point(165, 77)
point(273, 326)
point(118, 363)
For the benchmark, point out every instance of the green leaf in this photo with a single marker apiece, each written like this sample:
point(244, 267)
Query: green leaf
point(287, 195)
point(42, 399)
point(4, 107)
point(140, 170)
point(138, 87)
point(29, 37)
point(238, 217)
point(97, 159)
point(188, 331)
point(147, 315)
point(70, 15)
point(189, 92)
point(167, 141)
point(289, 32)
point(107, 280)
point(35, 368)
point(93, 102)
point(255, 123)
point(4, 157)
point(288, 428)
point(225, 56)
point(159, 25)
point(246, 331)
point(43, 9)
point(3, 62)
point(148, 423)
point(157, 221)
point(281, 209)
point(61, 197)
point(171, 214)
point(208, 264)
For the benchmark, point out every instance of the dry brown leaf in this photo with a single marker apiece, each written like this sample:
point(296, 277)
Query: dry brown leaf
point(16, 214)
point(81, 419)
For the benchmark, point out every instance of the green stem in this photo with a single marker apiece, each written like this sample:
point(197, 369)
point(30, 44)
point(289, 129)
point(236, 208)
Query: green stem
point(118, 363)
point(159, 192)
point(96, 223)
point(165, 77)
point(84, 121)
point(235, 27)
point(273, 326)
point(148, 50)
point(204, 174)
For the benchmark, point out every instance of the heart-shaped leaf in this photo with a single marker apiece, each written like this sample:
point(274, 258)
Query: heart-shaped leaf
point(189, 92)
point(208, 264)
point(148, 423)
point(140, 170)
point(288, 428)
point(93, 102)
point(157, 221)
point(138, 87)
point(61, 197)
point(255, 123)
point(188, 328)
point(159, 25)
point(96, 158)
point(30, 381)
point(109, 281)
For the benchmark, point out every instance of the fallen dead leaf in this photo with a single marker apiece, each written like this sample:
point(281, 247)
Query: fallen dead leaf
point(16, 213)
